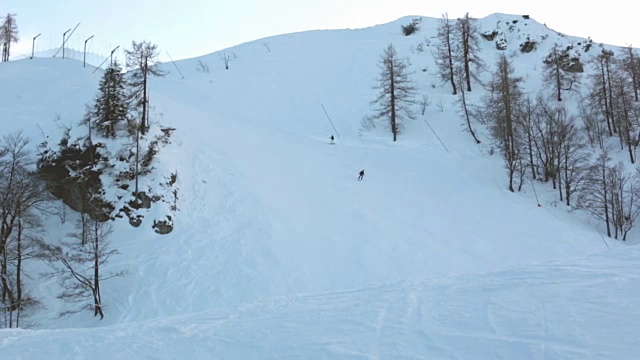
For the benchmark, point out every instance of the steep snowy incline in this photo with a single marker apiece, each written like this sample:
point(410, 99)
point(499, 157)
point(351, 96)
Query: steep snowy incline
point(566, 310)
point(267, 213)
point(42, 96)
point(269, 208)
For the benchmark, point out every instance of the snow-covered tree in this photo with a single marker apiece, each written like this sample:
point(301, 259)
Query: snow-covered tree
point(110, 107)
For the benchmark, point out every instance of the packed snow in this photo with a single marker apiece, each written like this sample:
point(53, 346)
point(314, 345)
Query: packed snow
point(279, 252)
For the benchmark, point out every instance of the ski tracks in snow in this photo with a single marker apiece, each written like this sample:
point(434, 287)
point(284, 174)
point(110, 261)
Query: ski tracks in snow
point(527, 313)
point(218, 254)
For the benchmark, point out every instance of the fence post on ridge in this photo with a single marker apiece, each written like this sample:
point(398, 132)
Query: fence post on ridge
point(111, 55)
point(63, 41)
point(33, 45)
point(84, 57)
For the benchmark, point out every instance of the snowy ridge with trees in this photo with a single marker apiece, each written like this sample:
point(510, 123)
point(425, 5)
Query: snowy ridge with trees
point(276, 250)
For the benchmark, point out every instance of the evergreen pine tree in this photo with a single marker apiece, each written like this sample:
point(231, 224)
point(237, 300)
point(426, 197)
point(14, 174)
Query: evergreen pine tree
point(110, 108)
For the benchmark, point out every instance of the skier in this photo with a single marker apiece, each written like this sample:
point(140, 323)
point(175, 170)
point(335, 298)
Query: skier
point(360, 175)
point(331, 139)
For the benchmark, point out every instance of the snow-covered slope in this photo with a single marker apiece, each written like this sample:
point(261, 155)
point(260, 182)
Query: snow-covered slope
point(570, 310)
point(279, 252)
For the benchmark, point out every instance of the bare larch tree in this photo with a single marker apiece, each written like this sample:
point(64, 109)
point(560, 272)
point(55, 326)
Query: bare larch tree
point(468, 49)
point(557, 71)
point(8, 35)
point(397, 91)
point(142, 60)
point(22, 195)
point(502, 107)
point(630, 64)
point(445, 51)
point(77, 262)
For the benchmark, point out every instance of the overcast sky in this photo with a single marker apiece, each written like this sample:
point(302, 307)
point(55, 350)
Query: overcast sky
point(189, 28)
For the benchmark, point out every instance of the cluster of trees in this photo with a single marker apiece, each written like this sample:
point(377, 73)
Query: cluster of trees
point(23, 200)
point(538, 136)
point(31, 184)
point(458, 59)
point(76, 262)
point(119, 117)
point(8, 34)
point(458, 52)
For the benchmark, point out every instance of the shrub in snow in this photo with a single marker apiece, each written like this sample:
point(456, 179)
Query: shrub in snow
point(412, 27)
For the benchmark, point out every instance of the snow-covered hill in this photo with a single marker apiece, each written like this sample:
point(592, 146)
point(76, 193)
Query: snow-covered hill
point(277, 250)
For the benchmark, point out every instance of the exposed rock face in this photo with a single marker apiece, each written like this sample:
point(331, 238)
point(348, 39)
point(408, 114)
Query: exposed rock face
point(72, 179)
point(98, 179)
point(507, 32)
point(528, 46)
point(489, 36)
point(576, 66)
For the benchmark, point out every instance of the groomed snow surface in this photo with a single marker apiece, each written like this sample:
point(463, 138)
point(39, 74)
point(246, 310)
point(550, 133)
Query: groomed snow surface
point(279, 252)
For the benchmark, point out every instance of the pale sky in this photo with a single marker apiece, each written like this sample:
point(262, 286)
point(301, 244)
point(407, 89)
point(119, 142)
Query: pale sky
point(190, 28)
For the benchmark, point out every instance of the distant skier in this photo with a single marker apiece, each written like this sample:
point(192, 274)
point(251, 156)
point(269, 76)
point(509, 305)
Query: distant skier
point(360, 175)
point(331, 139)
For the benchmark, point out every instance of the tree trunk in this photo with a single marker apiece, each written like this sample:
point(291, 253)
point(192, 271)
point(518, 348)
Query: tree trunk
point(96, 272)
point(465, 45)
point(558, 79)
point(137, 158)
point(143, 122)
point(394, 125)
point(628, 126)
point(610, 99)
point(510, 148)
point(634, 74)
point(560, 185)
point(19, 274)
point(567, 184)
point(605, 98)
point(7, 228)
point(466, 114)
point(450, 58)
point(606, 200)
point(533, 167)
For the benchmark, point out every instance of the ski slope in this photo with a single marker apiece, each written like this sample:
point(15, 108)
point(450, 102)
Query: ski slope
point(278, 252)
point(570, 310)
